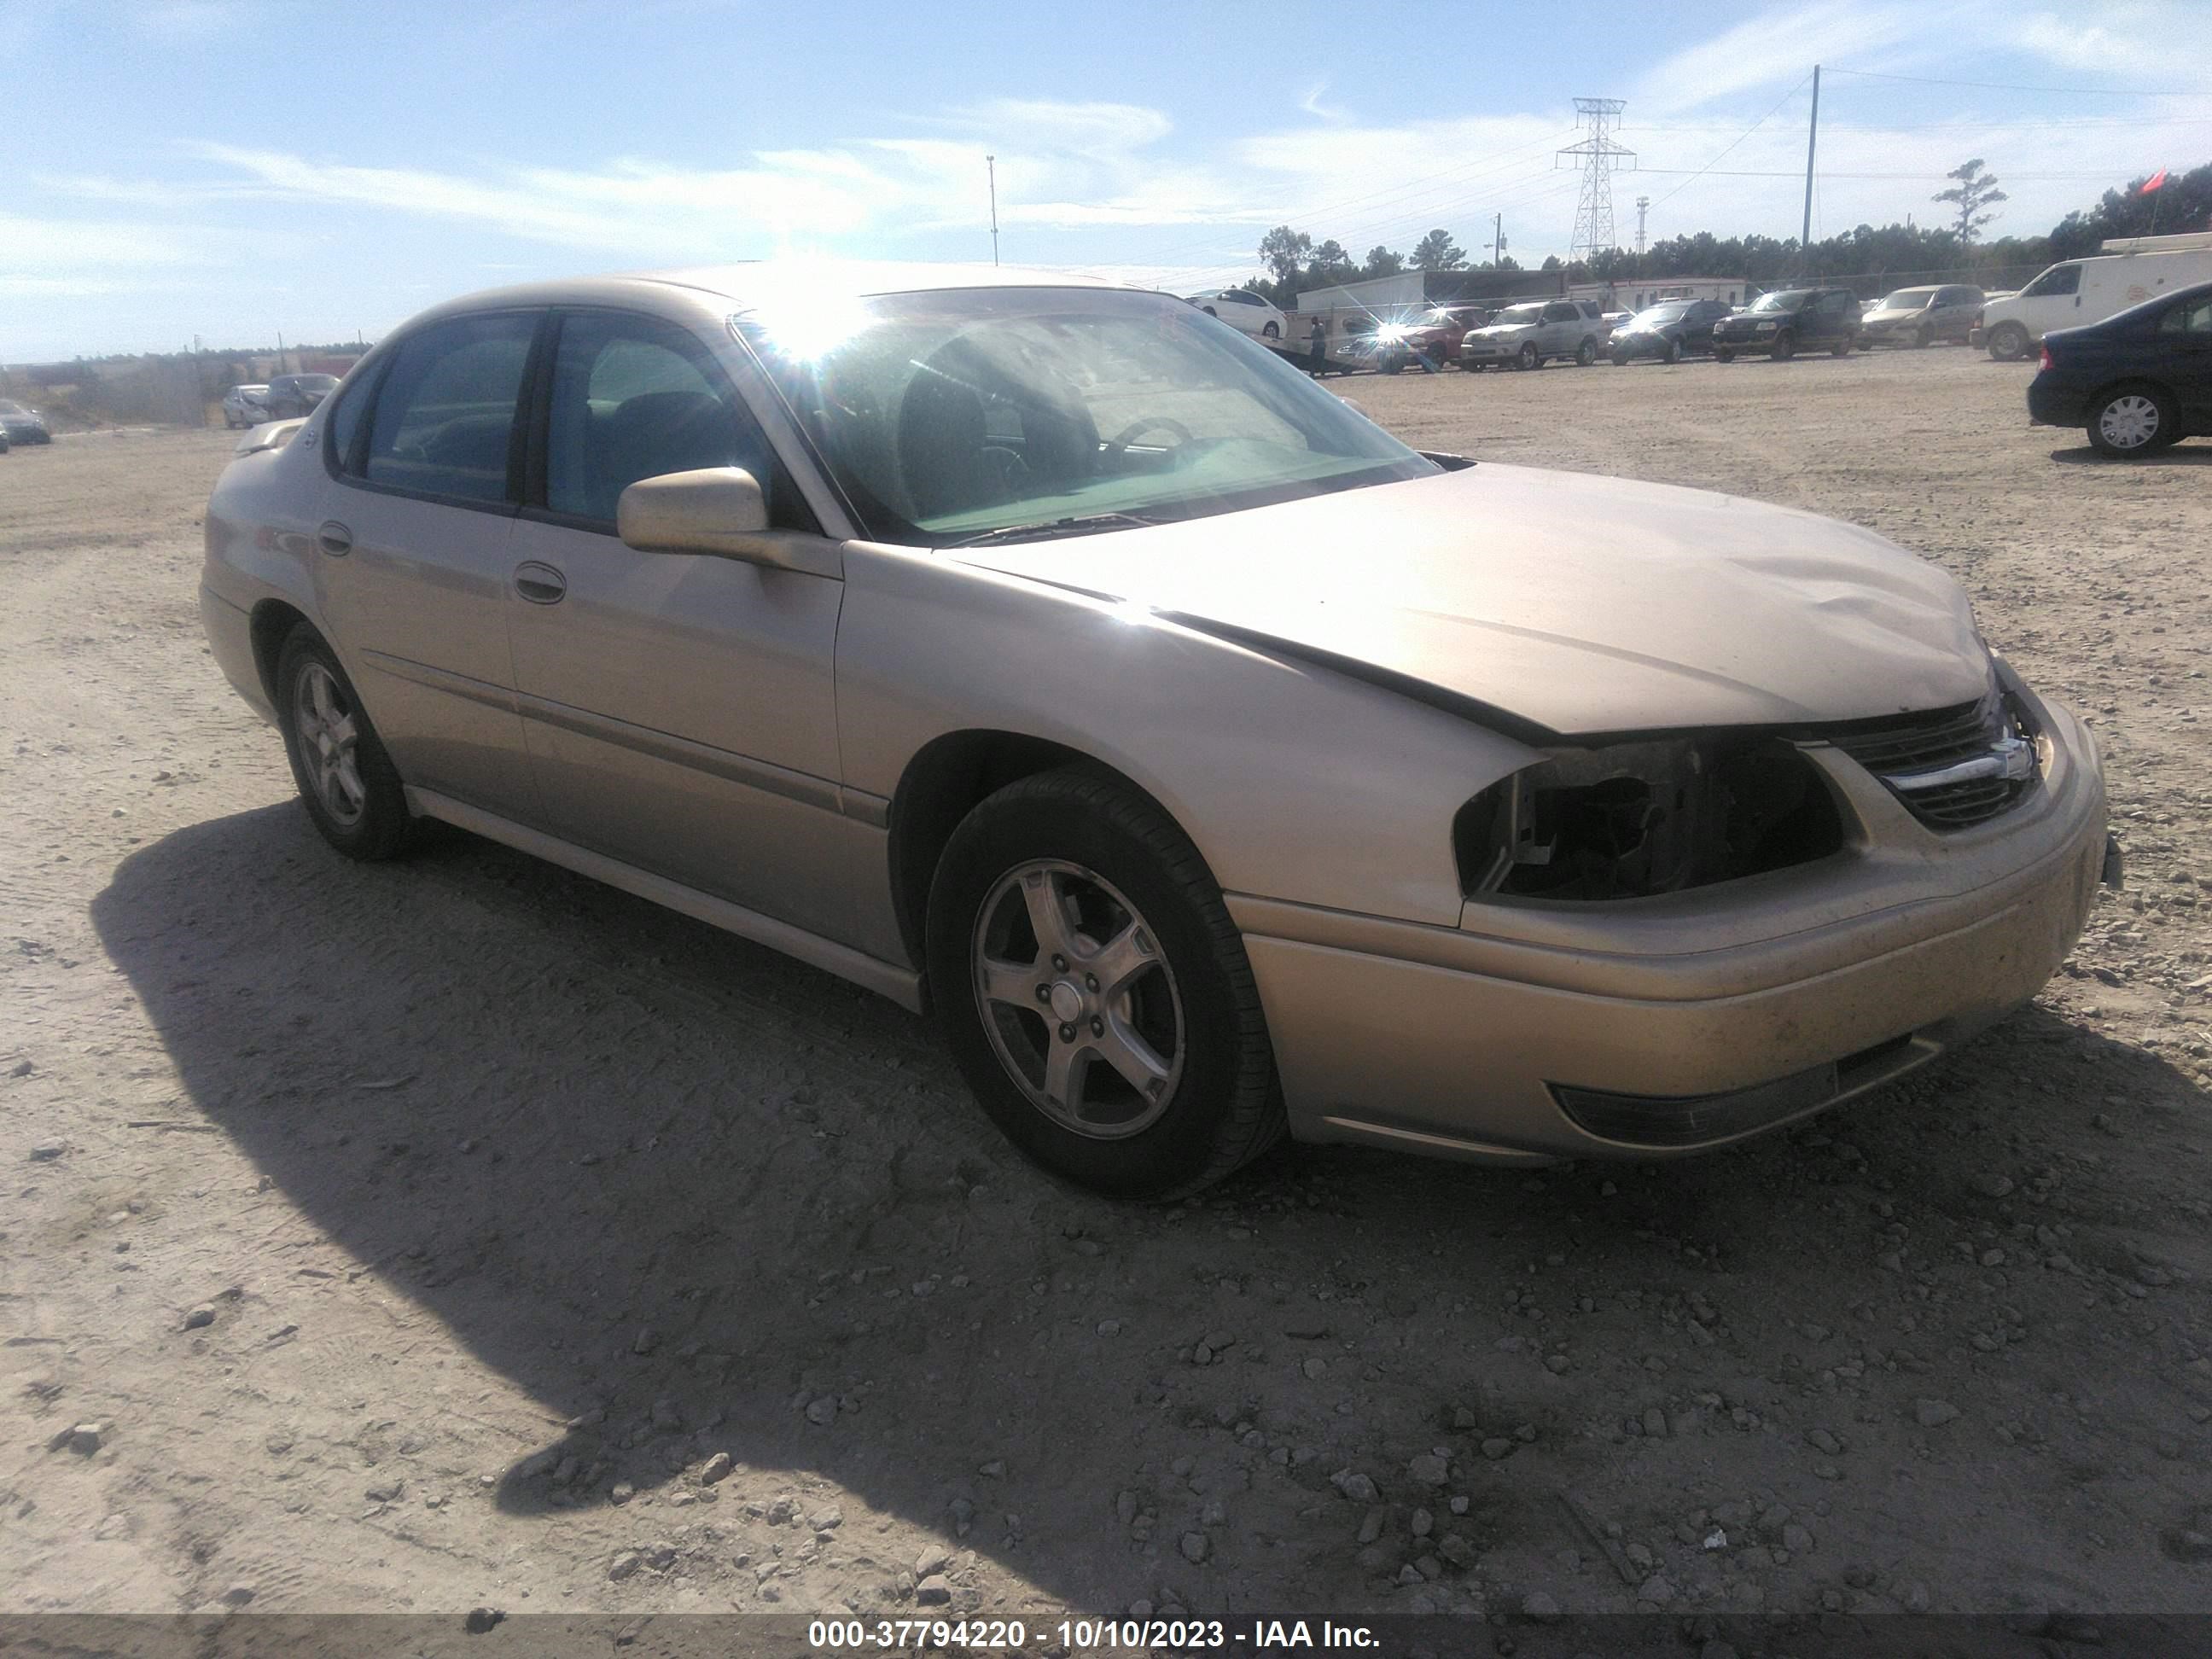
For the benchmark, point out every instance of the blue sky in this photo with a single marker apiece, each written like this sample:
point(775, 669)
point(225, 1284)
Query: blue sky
point(235, 169)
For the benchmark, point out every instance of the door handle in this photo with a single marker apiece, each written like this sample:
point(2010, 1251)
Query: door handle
point(540, 584)
point(334, 539)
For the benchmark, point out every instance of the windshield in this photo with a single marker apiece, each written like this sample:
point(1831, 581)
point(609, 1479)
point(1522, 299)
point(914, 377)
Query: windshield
point(948, 414)
point(1513, 316)
point(1787, 299)
point(1658, 314)
point(8, 408)
point(1907, 298)
point(315, 382)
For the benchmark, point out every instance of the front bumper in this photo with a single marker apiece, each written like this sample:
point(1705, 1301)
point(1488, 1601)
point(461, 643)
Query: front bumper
point(1538, 1031)
point(1492, 352)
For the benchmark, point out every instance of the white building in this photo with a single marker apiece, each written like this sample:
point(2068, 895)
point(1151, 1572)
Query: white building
point(1635, 294)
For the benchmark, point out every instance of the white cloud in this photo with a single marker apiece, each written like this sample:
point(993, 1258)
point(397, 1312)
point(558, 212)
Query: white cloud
point(29, 247)
point(1780, 44)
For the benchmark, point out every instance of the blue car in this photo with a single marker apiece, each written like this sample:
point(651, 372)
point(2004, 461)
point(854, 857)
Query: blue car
point(20, 425)
point(2136, 382)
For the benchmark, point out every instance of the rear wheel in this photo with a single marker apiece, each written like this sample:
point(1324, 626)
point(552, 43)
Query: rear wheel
point(1586, 353)
point(346, 780)
point(1270, 332)
point(2008, 343)
point(1724, 354)
point(1842, 348)
point(2130, 420)
point(1094, 992)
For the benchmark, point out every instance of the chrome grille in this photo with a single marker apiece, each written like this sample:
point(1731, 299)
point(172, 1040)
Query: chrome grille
point(1953, 768)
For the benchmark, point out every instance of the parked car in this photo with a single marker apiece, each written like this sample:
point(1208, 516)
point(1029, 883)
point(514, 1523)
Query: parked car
point(1669, 330)
point(1790, 320)
point(1432, 333)
point(1244, 311)
point(2137, 382)
point(3, 442)
point(1533, 332)
point(21, 424)
point(244, 405)
point(1613, 319)
point(1921, 316)
point(1001, 641)
point(291, 395)
point(2075, 293)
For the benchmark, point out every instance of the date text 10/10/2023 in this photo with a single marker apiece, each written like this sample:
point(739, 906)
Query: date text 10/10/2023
point(1079, 1634)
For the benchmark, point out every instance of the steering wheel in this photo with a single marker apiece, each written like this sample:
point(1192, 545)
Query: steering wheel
point(1120, 443)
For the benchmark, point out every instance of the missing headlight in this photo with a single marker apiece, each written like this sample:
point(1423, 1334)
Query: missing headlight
point(1658, 815)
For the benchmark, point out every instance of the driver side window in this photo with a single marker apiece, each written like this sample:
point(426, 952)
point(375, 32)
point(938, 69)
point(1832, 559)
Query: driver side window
point(634, 397)
point(2058, 279)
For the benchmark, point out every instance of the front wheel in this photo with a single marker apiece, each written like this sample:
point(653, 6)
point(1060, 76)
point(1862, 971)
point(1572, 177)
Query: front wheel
point(1724, 354)
point(1924, 336)
point(1529, 357)
point(1673, 352)
point(2008, 343)
point(1095, 994)
point(346, 780)
point(2130, 420)
point(1785, 347)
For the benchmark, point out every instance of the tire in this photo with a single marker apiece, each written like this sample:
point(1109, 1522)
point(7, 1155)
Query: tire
point(1586, 353)
point(2127, 422)
point(1724, 354)
point(2008, 343)
point(1842, 348)
point(1620, 357)
point(1923, 337)
point(1866, 343)
point(1391, 365)
point(1192, 1010)
point(1268, 331)
point(1674, 351)
point(360, 810)
point(1529, 357)
point(1784, 347)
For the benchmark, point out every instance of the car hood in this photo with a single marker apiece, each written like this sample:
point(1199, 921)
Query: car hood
point(1578, 604)
point(1502, 330)
point(1886, 315)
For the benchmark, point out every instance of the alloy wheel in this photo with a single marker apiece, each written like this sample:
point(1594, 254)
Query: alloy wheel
point(1079, 1002)
point(329, 742)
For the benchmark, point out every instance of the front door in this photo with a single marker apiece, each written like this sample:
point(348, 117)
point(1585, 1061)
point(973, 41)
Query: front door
point(679, 707)
point(2052, 301)
point(413, 563)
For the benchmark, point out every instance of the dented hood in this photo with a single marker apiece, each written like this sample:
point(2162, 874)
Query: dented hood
point(1577, 603)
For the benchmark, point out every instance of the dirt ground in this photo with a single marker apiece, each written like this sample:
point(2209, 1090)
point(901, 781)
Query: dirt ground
point(433, 1235)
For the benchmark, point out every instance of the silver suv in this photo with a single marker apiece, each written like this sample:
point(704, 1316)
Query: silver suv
point(1530, 334)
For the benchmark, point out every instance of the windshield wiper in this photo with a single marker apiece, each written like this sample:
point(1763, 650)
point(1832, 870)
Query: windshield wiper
point(1046, 530)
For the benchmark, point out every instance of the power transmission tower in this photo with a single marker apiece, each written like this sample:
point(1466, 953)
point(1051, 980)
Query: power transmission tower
point(1596, 155)
point(1643, 207)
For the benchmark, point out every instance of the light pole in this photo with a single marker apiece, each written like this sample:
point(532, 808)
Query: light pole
point(991, 163)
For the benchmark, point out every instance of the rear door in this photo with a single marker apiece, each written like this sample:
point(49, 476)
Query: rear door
point(2184, 338)
point(412, 562)
point(679, 707)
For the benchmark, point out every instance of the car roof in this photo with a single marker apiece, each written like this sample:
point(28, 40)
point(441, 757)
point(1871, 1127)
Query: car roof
point(754, 280)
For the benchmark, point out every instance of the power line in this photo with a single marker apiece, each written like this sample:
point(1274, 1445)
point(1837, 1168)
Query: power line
point(2002, 86)
point(1739, 138)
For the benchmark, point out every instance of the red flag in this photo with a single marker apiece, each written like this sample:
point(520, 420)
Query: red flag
point(2153, 181)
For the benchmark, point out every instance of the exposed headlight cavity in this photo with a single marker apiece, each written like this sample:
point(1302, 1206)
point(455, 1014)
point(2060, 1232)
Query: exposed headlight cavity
point(1656, 816)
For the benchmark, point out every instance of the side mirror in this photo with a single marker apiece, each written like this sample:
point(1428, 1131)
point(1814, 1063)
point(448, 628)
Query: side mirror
point(718, 511)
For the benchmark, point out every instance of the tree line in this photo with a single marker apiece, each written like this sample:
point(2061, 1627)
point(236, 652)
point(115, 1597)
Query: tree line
point(1295, 262)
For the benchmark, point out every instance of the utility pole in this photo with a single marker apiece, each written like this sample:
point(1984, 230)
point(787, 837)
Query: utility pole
point(280, 351)
point(991, 163)
point(1496, 239)
point(1812, 139)
point(1595, 154)
point(1643, 207)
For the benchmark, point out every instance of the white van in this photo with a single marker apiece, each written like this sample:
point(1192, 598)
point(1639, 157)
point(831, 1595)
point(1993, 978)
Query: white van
point(2125, 271)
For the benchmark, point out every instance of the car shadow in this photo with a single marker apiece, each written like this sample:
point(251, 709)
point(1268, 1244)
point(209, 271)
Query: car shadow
point(693, 1197)
point(2086, 455)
